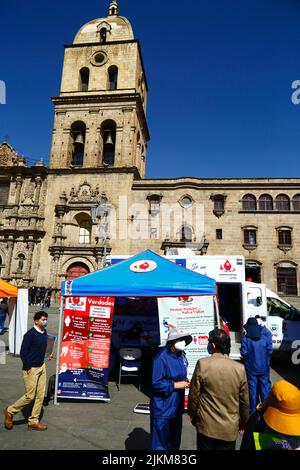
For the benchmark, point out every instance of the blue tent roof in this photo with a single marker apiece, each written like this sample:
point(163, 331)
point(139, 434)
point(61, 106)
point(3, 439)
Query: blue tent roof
point(167, 279)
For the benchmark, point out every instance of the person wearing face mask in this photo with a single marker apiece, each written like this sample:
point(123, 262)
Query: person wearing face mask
point(32, 354)
point(169, 381)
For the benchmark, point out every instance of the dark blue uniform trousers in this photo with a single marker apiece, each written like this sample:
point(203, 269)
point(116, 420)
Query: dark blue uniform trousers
point(259, 389)
point(166, 433)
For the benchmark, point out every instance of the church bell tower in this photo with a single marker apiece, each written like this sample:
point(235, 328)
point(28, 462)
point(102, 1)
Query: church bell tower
point(100, 113)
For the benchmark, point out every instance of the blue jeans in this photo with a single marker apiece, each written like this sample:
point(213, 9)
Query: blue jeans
point(2, 320)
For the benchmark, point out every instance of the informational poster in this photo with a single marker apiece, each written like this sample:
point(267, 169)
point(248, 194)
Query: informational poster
point(85, 348)
point(194, 315)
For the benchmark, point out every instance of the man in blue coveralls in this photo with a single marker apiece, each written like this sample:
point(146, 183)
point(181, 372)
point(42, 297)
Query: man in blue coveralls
point(256, 351)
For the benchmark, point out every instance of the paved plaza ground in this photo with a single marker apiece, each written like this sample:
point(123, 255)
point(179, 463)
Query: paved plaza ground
point(93, 425)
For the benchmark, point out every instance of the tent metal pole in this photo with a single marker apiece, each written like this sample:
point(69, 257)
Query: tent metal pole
point(217, 311)
point(58, 348)
point(15, 332)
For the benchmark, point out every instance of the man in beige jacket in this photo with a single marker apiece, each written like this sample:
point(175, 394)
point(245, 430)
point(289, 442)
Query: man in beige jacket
point(218, 397)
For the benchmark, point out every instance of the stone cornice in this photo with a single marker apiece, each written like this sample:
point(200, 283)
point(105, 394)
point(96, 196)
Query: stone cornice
point(25, 171)
point(214, 184)
point(98, 171)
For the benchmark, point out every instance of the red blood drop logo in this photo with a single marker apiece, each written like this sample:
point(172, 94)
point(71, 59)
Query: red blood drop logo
point(76, 300)
point(144, 266)
point(227, 266)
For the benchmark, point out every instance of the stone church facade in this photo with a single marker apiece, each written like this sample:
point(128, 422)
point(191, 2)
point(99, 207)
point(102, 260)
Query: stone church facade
point(93, 200)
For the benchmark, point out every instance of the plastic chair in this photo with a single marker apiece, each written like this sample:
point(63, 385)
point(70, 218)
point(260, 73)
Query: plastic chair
point(130, 364)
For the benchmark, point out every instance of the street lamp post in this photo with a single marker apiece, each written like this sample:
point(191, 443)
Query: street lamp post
point(100, 213)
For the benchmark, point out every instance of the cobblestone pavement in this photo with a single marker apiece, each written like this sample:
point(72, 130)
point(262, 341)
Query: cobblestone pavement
point(90, 425)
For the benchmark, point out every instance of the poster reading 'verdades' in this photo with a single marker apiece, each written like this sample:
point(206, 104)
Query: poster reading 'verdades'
point(85, 348)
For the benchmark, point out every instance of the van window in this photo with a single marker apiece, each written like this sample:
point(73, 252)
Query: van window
point(254, 297)
point(276, 308)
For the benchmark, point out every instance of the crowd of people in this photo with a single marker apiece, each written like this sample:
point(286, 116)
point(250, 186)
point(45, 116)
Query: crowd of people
point(226, 397)
point(40, 296)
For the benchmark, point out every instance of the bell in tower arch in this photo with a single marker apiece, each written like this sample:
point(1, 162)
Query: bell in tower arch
point(78, 131)
point(109, 147)
point(79, 139)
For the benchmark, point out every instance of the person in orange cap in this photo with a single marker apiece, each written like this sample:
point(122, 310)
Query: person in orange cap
point(279, 416)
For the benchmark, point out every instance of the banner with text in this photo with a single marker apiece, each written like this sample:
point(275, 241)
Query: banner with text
point(194, 315)
point(85, 348)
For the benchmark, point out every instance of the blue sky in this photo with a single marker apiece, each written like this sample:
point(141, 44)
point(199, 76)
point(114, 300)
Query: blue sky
point(219, 75)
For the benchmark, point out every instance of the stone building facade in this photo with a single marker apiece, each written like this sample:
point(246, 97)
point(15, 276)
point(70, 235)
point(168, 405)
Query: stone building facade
point(50, 228)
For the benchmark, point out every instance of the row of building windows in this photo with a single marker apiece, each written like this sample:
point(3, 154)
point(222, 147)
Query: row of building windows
point(284, 237)
point(250, 236)
point(250, 203)
point(265, 202)
point(185, 234)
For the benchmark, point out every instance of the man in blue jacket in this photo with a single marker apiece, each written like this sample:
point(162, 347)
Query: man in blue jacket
point(169, 380)
point(256, 351)
point(32, 354)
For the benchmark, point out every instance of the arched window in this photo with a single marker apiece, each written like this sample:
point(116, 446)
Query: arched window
point(249, 202)
point(108, 132)
point(103, 35)
point(85, 232)
point(186, 234)
point(296, 202)
point(85, 228)
point(84, 79)
point(113, 78)
point(78, 132)
point(282, 202)
point(21, 260)
point(265, 202)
